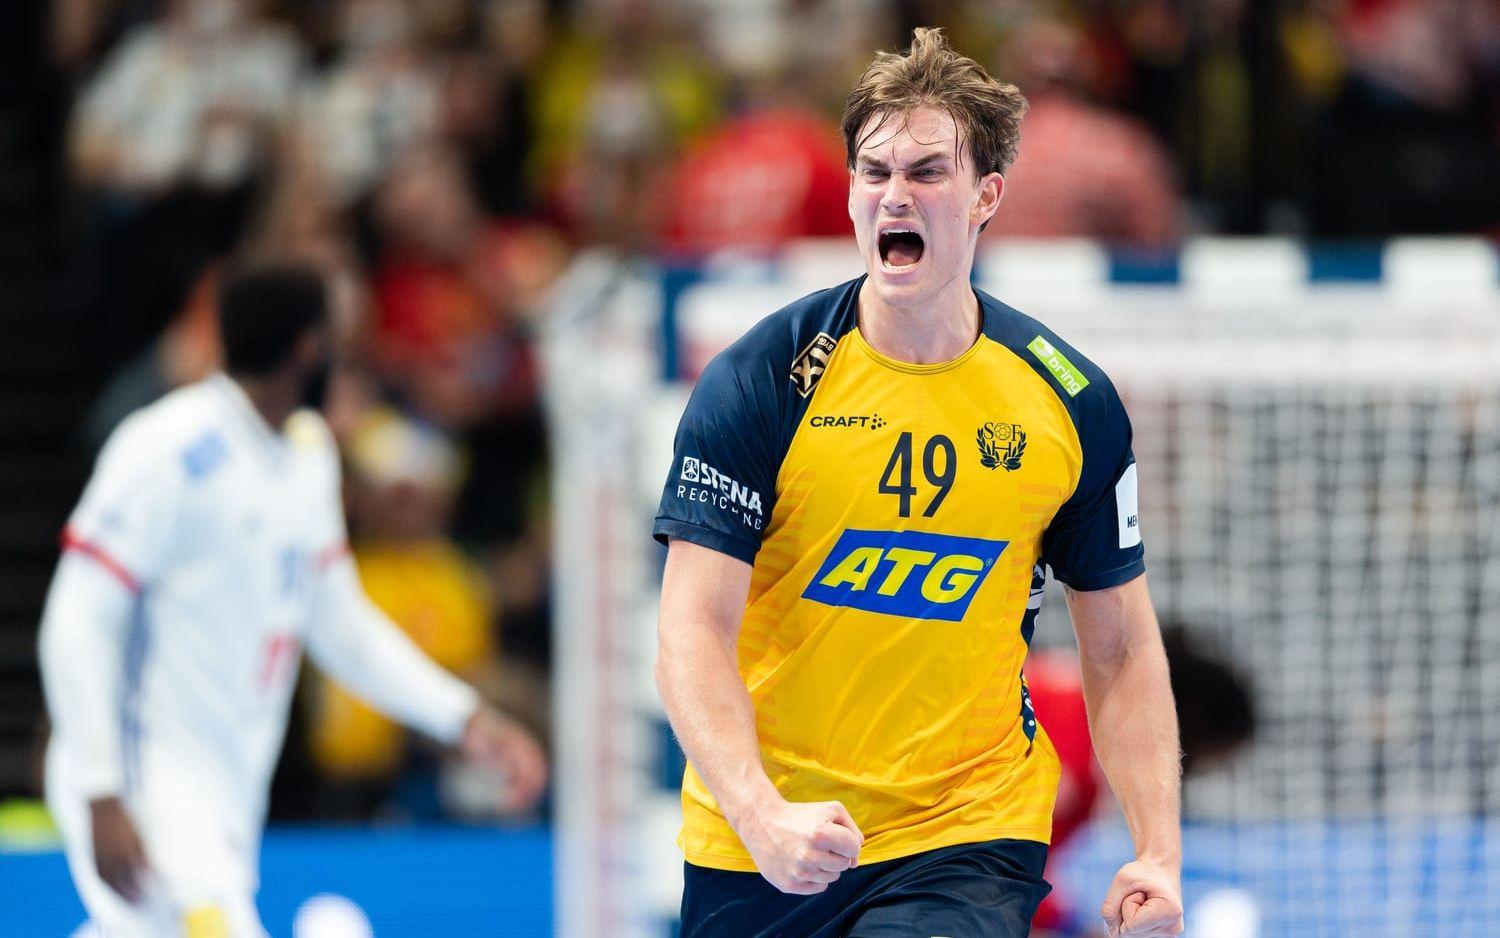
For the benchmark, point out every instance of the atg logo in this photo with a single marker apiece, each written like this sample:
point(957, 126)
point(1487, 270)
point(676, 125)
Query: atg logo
point(904, 573)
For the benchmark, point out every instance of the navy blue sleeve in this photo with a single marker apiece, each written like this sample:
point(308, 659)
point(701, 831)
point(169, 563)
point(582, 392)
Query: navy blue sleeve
point(1094, 541)
point(725, 459)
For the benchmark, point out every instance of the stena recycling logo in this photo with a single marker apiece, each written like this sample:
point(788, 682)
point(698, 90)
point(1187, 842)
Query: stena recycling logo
point(904, 573)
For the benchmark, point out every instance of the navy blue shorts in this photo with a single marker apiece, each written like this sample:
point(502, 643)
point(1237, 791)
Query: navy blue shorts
point(984, 890)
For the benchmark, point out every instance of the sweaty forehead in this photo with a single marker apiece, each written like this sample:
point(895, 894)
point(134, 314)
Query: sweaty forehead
point(924, 131)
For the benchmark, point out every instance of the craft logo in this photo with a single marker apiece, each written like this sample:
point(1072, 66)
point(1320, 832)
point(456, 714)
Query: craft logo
point(810, 364)
point(904, 573)
point(1001, 444)
point(871, 421)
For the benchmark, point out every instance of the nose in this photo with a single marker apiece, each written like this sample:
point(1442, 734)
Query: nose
point(897, 194)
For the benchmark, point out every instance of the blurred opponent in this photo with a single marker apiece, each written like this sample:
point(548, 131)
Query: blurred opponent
point(207, 551)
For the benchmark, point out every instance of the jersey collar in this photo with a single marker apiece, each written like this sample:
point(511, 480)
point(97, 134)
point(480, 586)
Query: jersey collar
point(271, 444)
point(912, 368)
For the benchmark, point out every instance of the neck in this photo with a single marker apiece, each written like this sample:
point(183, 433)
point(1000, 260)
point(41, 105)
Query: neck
point(931, 333)
point(274, 396)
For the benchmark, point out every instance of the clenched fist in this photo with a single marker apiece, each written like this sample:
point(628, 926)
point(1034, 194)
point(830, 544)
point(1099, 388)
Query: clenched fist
point(801, 847)
point(1144, 901)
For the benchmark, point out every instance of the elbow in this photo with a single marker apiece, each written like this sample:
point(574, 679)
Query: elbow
point(675, 644)
point(1104, 648)
point(58, 641)
point(688, 647)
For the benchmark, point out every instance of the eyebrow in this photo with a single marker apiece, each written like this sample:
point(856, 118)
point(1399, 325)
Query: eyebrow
point(916, 164)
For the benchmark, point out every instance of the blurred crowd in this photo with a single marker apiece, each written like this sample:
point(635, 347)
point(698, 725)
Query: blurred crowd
point(442, 160)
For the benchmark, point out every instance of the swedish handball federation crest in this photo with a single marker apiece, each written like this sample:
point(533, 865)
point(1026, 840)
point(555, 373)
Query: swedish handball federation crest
point(1001, 444)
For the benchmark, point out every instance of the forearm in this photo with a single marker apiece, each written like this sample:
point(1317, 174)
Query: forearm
point(81, 649)
point(1133, 721)
point(713, 718)
point(358, 645)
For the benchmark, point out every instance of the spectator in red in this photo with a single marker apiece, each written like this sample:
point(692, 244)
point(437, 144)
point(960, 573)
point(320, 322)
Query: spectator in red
point(1215, 717)
point(453, 289)
point(772, 174)
point(1084, 170)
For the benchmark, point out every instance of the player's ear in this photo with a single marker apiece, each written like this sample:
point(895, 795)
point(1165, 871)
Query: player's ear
point(851, 193)
point(991, 188)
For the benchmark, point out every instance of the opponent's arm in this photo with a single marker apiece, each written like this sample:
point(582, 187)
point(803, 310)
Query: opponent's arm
point(798, 847)
point(1127, 687)
point(82, 655)
point(357, 644)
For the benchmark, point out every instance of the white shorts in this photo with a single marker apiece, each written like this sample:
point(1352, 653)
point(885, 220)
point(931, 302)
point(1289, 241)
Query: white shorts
point(202, 882)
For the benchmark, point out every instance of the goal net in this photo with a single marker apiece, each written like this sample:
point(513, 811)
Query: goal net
point(1319, 443)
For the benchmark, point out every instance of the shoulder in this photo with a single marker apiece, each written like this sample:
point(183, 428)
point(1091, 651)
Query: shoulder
point(169, 436)
point(744, 410)
point(1080, 384)
point(801, 327)
point(758, 386)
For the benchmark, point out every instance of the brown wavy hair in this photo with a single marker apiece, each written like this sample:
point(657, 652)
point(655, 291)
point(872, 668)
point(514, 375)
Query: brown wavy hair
point(931, 73)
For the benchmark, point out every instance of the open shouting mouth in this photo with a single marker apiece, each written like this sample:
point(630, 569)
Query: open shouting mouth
point(900, 247)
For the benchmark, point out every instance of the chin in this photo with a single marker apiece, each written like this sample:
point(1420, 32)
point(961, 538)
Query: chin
point(900, 286)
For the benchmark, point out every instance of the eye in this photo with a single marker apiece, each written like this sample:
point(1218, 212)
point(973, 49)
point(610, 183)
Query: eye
point(875, 174)
point(929, 173)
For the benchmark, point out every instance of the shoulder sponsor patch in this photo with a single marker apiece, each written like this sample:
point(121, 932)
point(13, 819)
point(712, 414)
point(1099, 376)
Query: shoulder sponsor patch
point(702, 483)
point(811, 362)
point(1071, 379)
point(1127, 504)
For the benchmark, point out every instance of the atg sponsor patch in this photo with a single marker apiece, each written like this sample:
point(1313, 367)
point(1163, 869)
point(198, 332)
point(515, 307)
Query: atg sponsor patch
point(913, 574)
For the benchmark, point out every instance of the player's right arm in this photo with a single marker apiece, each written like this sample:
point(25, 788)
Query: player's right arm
point(82, 646)
point(798, 847)
point(115, 542)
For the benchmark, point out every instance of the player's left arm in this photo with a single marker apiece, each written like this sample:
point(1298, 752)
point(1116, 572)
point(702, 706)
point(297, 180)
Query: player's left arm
point(353, 641)
point(1133, 720)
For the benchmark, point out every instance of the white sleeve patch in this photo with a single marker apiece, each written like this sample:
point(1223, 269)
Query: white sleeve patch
point(1126, 504)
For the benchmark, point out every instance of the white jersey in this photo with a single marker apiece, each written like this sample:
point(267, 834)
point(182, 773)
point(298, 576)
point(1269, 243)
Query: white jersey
point(206, 552)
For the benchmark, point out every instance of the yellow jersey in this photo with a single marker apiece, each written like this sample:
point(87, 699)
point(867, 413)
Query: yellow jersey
point(899, 519)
